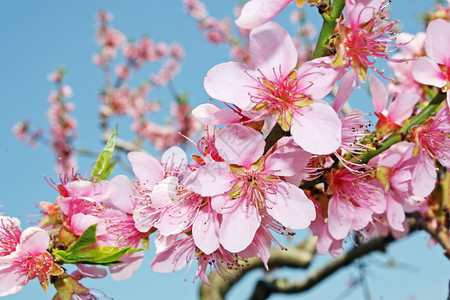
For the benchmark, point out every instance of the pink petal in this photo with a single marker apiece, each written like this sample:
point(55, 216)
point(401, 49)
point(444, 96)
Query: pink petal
point(164, 242)
point(257, 12)
point(174, 159)
point(146, 169)
point(240, 144)
point(345, 91)
point(402, 108)
point(290, 206)
point(122, 194)
point(362, 217)
point(426, 71)
point(174, 258)
point(379, 94)
point(437, 42)
point(317, 128)
point(79, 188)
point(175, 219)
point(129, 264)
point(287, 160)
point(223, 204)
point(317, 77)
point(212, 179)
point(80, 222)
point(89, 271)
point(260, 247)
point(205, 230)
point(10, 281)
point(231, 82)
point(340, 217)
point(395, 213)
point(164, 192)
point(209, 114)
point(239, 227)
point(424, 176)
point(360, 11)
point(33, 240)
point(272, 47)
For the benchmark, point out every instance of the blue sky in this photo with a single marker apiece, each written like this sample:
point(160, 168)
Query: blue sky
point(38, 36)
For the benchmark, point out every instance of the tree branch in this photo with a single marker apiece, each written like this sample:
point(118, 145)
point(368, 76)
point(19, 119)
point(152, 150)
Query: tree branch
point(329, 24)
point(265, 288)
point(295, 257)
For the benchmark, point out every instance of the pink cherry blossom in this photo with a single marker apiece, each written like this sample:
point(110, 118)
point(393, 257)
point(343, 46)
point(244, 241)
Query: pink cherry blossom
point(435, 69)
point(325, 241)
point(272, 86)
point(394, 170)
point(355, 198)
point(432, 140)
point(247, 187)
point(391, 116)
point(364, 32)
point(23, 257)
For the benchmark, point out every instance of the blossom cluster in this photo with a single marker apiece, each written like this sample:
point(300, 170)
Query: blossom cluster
point(320, 167)
point(120, 99)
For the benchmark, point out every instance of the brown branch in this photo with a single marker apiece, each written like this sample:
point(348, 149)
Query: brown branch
point(265, 288)
point(295, 257)
point(441, 234)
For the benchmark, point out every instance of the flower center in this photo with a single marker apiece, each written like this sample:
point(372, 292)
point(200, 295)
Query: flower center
point(280, 96)
point(39, 266)
point(9, 237)
point(251, 185)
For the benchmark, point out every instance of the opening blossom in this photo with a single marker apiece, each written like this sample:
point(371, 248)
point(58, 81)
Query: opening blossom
point(435, 69)
point(364, 32)
point(271, 86)
point(23, 256)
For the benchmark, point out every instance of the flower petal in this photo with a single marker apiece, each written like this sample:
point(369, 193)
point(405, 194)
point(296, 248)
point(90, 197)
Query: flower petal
point(239, 227)
point(426, 71)
point(290, 206)
point(424, 176)
point(271, 47)
point(174, 159)
point(209, 114)
point(395, 213)
point(122, 194)
point(379, 94)
point(317, 77)
point(205, 230)
point(240, 144)
point(437, 41)
point(317, 129)
point(10, 280)
point(257, 12)
point(287, 160)
point(340, 217)
point(146, 169)
point(231, 82)
point(345, 91)
point(402, 108)
point(33, 240)
point(212, 179)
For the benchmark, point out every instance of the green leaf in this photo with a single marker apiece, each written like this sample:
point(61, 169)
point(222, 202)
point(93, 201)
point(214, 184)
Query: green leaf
point(103, 167)
point(98, 255)
point(87, 239)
